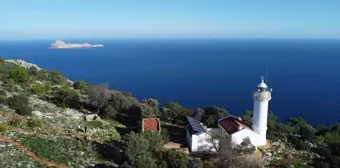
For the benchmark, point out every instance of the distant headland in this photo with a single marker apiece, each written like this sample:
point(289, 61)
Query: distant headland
point(61, 44)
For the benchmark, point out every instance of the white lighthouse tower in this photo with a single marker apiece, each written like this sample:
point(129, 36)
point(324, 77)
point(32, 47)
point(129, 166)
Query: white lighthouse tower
point(261, 97)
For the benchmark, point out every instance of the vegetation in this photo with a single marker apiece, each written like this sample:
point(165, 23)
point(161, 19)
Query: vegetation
point(3, 127)
point(64, 151)
point(68, 143)
point(20, 104)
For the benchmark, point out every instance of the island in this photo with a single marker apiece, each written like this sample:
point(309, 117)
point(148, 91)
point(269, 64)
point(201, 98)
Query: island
point(61, 44)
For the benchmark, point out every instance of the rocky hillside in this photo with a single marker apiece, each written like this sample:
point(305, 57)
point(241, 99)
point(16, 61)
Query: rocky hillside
point(39, 125)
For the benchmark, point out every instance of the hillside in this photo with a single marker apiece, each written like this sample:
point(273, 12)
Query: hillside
point(48, 120)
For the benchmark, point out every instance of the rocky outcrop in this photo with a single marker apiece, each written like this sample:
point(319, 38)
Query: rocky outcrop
point(61, 44)
point(23, 63)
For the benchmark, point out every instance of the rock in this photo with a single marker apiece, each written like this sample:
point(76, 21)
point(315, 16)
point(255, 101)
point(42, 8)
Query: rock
point(23, 63)
point(72, 113)
point(92, 117)
point(37, 114)
point(61, 44)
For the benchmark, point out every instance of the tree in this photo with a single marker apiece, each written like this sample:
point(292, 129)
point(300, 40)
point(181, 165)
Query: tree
point(98, 96)
point(199, 114)
point(174, 159)
point(122, 104)
point(147, 111)
point(81, 85)
point(155, 140)
point(212, 114)
point(247, 117)
point(33, 71)
point(151, 102)
point(144, 161)
point(66, 97)
point(20, 104)
point(174, 112)
point(297, 121)
point(135, 145)
point(55, 77)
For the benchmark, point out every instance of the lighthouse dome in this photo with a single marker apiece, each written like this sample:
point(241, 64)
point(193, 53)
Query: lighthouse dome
point(262, 85)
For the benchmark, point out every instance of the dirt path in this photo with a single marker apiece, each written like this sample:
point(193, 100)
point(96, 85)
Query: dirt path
point(31, 154)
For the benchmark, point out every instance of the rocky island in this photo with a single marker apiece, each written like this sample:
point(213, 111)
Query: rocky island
point(61, 44)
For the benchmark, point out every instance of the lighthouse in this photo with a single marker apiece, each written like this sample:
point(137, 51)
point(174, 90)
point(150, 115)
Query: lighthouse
point(261, 96)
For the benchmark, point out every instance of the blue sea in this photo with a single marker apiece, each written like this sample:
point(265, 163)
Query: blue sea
point(304, 74)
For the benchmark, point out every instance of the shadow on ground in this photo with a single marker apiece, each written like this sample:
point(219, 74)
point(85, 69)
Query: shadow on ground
point(101, 166)
point(110, 151)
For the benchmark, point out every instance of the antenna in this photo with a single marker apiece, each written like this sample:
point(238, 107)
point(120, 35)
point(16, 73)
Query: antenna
point(266, 75)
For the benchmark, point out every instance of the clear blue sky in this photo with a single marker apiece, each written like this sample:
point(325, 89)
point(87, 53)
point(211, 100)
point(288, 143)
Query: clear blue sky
point(169, 18)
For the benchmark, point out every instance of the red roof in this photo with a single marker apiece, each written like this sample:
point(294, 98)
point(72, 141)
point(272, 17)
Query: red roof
point(151, 124)
point(232, 124)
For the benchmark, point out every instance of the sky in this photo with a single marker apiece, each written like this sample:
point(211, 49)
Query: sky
point(169, 18)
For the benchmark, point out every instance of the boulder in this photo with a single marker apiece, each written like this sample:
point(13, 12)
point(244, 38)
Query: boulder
point(72, 113)
point(37, 114)
point(92, 117)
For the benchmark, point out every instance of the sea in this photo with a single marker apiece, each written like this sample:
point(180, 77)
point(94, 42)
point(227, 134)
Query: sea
point(304, 74)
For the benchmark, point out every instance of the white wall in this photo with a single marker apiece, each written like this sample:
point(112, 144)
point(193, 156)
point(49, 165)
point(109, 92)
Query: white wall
point(200, 142)
point(255, 138)
point(260, 115)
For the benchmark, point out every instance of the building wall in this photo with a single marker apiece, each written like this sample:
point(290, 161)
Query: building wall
point(260, 115)
point(189, 140)
point(200, 142)
point(239, 136)
point(204, 142)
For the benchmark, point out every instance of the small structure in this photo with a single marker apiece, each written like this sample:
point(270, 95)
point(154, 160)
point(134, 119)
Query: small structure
point(151, 124)
point(198, 137)
point(237, 130)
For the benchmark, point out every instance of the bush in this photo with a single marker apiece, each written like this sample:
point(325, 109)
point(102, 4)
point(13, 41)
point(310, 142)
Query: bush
point(81, 85)
point(3, 127)
point(9, 85)
point(39, 89)
point(65, 151)
point(56, 78)
point(19, 75)
point(94, 124)
point(3, 93)
point(2, 61)
point(33, 71)
point(19, 103)
point(66, 97)
point(35, 123)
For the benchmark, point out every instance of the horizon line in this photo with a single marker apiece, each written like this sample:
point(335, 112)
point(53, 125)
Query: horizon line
point(169, 38)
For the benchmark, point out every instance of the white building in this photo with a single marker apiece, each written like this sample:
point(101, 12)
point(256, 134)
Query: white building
point(199, 138)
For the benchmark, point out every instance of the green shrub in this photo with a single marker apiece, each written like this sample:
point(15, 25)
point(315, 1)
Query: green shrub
point(9, 85)
point(35, 123)
point(39, 89)
point(3, 127)
point(19, 75)
point(66, 151)
point(19, 103)
point(2, 61)
point(3, 93)
point(66, 97)
point(3, 100)
point(94, 124)
point(33, 71)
